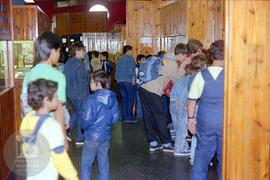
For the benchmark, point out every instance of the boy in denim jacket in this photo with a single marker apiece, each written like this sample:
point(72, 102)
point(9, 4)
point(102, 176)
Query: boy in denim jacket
point(178, 104)
point(99, 113)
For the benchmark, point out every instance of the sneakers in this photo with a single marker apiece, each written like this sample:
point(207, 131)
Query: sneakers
point(79, 143)
point(184, 153)
point(168, 149)
point(69, 137)
point(154, 148)
point(131, 121)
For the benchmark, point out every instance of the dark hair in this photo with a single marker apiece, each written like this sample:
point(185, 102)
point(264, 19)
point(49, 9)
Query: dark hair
point(160, 54)
point(148, 56)
point(38, 90)
point(181, 49)
point(95, 53)
point(126, 48)
point(216, 51)
point(139, 58)
point(77, 46)
point(46, 42)
point(105, 54)
point(102, 77)
point(197, 63)
point(194, 45)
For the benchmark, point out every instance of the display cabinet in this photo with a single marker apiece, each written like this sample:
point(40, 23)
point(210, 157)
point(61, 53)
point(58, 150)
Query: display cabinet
point(23, 57)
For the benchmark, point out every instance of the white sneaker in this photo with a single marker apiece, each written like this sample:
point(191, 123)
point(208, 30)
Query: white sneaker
point(79, 143)
point(185, 153)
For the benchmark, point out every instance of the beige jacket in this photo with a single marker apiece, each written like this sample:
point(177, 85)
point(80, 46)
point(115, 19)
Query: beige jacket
point(167, 73)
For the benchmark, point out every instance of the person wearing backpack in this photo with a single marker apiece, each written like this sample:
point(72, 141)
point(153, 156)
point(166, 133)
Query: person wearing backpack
point(150, 92)
point(125, 77)
point(43, 139)
point(105, 63)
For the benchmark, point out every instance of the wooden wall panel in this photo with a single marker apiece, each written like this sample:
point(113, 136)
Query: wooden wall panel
point(96, 22)
point(77, 23)
point(6, 23)
point(29, 22)
point(144, 25)
point(246, 147)
point(44, 23)
point(7, 124)
point(25, 22)
point(205, 20)
point(62, 24)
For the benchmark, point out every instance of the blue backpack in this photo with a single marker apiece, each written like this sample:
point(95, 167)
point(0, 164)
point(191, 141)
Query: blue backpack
point(149, 69)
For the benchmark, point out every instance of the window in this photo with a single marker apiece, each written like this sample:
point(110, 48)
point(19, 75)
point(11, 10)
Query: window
point(99, 8)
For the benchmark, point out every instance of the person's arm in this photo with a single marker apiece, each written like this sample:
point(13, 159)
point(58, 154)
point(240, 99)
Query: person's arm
point(59, 116)
point(64, 165)
point(133, 66)
point(191, 116)
point(83, 82)
point(86, 113)
point(115, 111)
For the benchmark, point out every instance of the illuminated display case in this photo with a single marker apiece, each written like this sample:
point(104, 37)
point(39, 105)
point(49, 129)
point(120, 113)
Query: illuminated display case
point(23, 57)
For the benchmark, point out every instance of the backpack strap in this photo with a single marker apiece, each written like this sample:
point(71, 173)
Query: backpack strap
point(33, 136)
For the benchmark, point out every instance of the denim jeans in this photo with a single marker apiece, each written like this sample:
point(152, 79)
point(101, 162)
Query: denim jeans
point(75, 121)
point(138, 103)
point(127, 91)
point(193, 148)
point(91, 151)
point(180, 122)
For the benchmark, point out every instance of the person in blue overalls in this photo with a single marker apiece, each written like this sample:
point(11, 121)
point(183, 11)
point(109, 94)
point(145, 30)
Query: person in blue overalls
point(207, 89)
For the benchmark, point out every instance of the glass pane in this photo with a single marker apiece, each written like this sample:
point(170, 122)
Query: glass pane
point(23, 57)
point(4, 66)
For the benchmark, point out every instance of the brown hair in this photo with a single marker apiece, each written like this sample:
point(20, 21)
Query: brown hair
point(194, 45)
point(38, 90)
point(197, 63)
point(77, 46)
point(216, 51)
point(181, 49)
point(102, 77)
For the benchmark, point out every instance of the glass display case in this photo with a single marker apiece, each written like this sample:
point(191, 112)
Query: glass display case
point(5, 71)
point(23, 57)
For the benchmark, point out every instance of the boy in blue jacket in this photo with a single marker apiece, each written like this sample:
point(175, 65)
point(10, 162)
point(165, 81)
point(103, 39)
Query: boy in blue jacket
point(99, 112)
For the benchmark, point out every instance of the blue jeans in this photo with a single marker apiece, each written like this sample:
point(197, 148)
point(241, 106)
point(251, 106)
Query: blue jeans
point(127, 91)
point(91, 151)
point(180, 123)
point(75, 121)
point(193, 148)
point(138, 103)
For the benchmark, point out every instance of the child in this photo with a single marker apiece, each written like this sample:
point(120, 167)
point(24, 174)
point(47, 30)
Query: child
point(208, 88)
point(154, 118)
point(47, 52)
point(105, 63)
point(99, 112)
point(138, 108)
point(178, 104)
point(77, 86)
point(44, 133)
point(95, 60)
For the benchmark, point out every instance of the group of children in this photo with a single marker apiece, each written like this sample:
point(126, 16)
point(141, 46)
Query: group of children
point(196, 104)
point(43, 126)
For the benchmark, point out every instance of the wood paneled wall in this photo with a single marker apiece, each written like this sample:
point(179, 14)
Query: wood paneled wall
point(205, 20)
point(144, 21)
point(29, 22)
point(7, 124)
point(246, 150)
point(77, 23)
point(6, 23)
point(199, 19)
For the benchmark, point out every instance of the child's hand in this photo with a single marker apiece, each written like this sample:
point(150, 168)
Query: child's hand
point(192, 125)
point(67, 126)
